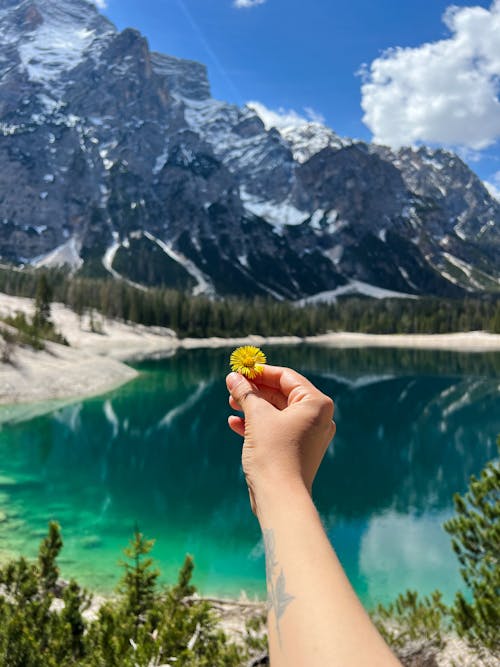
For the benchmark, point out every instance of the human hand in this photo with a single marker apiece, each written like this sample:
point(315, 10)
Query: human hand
point(287, 427)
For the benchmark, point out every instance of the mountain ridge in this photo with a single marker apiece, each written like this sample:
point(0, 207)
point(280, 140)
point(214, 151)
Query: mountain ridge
point(117, 161)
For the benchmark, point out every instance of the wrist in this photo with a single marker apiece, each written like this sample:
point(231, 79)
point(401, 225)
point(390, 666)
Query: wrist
point(276, 497)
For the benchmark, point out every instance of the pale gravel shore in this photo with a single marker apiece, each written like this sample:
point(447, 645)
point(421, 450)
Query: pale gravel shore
point(93, 364)
point(468, 341)
point(233, 615)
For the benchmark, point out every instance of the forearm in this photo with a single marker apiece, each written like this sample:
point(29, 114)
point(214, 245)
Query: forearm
point(315, 618)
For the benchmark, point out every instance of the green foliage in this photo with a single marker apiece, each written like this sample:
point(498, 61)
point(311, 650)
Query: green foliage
point(256, 633)
point(141, 627)
point(32, 633)
point(75, 601)
point(475, 530)
point(147, 627)
point(411, 617)
point(48, 552)
point(8, 341)
point(476, 541)
point(43, 297)
point(26, 332)
point(32, 332)
point(139, 579)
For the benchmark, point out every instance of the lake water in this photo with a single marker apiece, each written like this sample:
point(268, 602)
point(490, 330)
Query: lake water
point(157, 454)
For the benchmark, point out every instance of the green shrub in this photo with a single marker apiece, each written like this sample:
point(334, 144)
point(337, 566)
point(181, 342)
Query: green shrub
point(475, 529)
point(26, 334)
point(143, 626)
point(476, 541)
point(7, 345)
point(411, 618)
point(33, 332)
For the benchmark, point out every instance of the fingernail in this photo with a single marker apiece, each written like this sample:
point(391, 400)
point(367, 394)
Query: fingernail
point(232, 379)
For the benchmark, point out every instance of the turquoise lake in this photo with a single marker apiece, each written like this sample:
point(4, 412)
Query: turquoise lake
point(157, 454)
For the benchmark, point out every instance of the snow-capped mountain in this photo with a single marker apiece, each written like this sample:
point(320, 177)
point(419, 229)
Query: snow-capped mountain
point(117, 160)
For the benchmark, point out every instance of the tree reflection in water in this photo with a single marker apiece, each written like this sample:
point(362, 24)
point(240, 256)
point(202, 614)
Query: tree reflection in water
point(412, 426)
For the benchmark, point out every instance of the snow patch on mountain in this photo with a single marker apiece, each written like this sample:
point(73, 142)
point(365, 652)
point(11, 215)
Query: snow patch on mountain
point(355, 287)
point(49, 52)
point(203, 285)
point(64, 34)
point(67, 254)
point(470, 273)
point(161, 160)
point(304, 136)
point(276, 213)
point(218, 124)
point(210, 118)
point(109, 256)
point(307, 140)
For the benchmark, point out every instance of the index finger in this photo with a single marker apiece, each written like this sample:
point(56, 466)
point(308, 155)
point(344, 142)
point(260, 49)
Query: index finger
point(284, 379)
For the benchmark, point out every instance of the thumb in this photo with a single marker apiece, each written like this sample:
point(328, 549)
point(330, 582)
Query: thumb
point(243, 391)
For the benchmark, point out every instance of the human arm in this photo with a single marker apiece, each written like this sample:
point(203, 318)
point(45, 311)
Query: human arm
point(315, 618)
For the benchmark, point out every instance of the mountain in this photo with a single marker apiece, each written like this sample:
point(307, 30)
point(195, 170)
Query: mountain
point(117, 160)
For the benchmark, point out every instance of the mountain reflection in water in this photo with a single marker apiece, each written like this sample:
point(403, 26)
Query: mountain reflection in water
point(412, 427)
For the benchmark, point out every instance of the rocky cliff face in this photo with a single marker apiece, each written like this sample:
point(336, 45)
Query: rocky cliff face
point(114, 159)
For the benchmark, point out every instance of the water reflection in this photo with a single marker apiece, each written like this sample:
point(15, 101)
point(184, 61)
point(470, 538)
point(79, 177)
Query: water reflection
point(400, 550)
point(412, 427)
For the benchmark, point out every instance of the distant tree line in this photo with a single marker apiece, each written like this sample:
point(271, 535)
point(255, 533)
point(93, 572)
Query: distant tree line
point(204, 316)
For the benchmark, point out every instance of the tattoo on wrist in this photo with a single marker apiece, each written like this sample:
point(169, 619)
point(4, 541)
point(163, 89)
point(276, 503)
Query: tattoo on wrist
point(278, 599)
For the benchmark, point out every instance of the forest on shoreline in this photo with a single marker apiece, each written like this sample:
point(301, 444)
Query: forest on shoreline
point(204, 316)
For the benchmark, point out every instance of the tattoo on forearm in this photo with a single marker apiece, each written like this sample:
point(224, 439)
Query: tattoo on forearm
point(278, 598)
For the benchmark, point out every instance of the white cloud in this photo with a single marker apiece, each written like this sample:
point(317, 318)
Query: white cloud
point(314, 116)
point(493, 186)
point(285, 118)
point(101, 4)
point(443, 92)
point(248, 3)
point(400, 551)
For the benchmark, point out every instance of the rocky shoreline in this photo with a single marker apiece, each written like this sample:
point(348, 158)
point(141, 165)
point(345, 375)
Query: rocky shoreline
point(234, 615)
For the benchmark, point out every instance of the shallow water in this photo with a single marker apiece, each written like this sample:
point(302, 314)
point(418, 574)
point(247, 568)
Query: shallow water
point(157, 454)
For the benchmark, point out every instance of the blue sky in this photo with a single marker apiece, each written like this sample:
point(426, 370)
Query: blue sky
point(439, 84)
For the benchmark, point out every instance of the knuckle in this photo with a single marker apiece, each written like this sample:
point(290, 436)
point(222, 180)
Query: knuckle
point(326, 407)
point(243, 396)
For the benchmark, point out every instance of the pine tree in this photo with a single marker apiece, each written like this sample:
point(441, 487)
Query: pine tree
point(476, 541)
point(139, 580)
point(43, 298)
point(47, 555)
point(75, 601)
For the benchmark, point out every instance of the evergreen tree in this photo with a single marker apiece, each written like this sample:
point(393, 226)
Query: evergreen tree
point(476, 541)
point(75, 602)
point(411, 618)
point(48, 552)
point(475, 529)
point(139, 580)
point(43, 298)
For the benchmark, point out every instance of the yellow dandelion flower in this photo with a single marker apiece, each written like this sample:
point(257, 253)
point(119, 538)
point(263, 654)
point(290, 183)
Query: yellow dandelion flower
point(248, 361)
